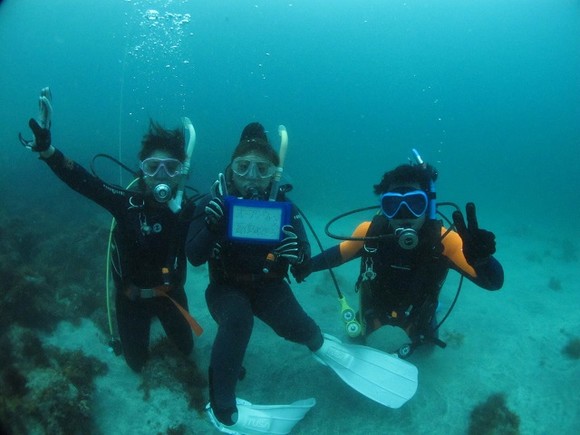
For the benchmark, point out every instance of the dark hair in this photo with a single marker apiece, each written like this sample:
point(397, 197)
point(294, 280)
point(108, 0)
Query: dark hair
point(407, 174)
point(254, 139)
point(160, 139)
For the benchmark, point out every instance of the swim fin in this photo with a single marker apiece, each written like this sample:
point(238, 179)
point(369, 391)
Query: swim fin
point(264, 419)
point(381, 377)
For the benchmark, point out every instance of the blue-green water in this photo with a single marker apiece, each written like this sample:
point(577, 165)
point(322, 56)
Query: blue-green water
point(488, 91)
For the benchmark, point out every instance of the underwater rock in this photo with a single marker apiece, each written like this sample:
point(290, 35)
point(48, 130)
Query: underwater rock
point(572, 348)
point(169, 368)
point(45, 389)
point(493, 417)
point(42, 286)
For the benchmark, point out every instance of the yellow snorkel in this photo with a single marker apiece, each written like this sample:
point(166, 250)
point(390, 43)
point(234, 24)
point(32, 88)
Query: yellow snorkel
point(271, 257)
point(282, 155)
point(175, 202)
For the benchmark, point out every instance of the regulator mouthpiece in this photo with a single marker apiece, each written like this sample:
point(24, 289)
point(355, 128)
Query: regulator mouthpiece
point(407, 238)
point(162, 193)
point(252, 193)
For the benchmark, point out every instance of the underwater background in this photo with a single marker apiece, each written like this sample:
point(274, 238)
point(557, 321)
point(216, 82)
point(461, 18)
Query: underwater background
point(487, 91)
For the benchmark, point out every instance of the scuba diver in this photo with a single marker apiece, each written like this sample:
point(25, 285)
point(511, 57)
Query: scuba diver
point(248, 276)
point(406, 255)
point(148, 259)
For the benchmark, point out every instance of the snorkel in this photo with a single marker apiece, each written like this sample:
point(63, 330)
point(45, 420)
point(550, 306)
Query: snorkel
point(271, 257)
point(175, 202)
point(432, 208)
point(282, 154)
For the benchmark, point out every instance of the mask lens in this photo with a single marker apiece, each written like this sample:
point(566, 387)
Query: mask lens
point(241, 167)
point(150, 166)
point(390, 203)
point(265, 169)
point(172, 167)
point(416, 202)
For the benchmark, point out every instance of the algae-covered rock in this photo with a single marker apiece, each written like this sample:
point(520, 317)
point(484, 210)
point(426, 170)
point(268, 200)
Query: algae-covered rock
point(493, 417)
point(45, 389)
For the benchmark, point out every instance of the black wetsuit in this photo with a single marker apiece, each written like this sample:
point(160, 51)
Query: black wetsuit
point(147, 237)
point(239, 290)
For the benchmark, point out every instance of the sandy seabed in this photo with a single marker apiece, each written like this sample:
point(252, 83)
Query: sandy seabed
point(509, 342)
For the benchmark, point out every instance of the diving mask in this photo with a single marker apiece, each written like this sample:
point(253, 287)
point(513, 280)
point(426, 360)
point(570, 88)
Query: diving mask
point(253, 168)
point(415, 202)
point(152, 165)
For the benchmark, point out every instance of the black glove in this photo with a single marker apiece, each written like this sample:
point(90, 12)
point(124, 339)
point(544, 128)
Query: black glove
point(41, 128)
point(214, 215)
point(302, 270)
point(478, 245)
point(289, 247)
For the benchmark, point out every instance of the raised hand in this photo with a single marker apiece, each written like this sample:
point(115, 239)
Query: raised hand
point(41, 127)
point(478, 244)
point(45, 108)
point(215, 217)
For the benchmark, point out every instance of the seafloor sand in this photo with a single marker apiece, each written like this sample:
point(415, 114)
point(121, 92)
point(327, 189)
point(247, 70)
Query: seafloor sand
point(508, 342)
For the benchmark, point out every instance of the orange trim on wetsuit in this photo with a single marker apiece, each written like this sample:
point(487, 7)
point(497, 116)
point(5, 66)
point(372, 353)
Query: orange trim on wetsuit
point(349, 248)
point(452, 247)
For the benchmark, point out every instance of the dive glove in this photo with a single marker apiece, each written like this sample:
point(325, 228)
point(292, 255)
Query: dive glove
point(289, 247)
point(214, 215)
point(215, 210)
point(478, 245)
point(41, 128)
point(301, 271)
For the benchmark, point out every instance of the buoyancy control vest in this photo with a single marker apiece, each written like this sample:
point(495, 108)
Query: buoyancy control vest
point(400, 282)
